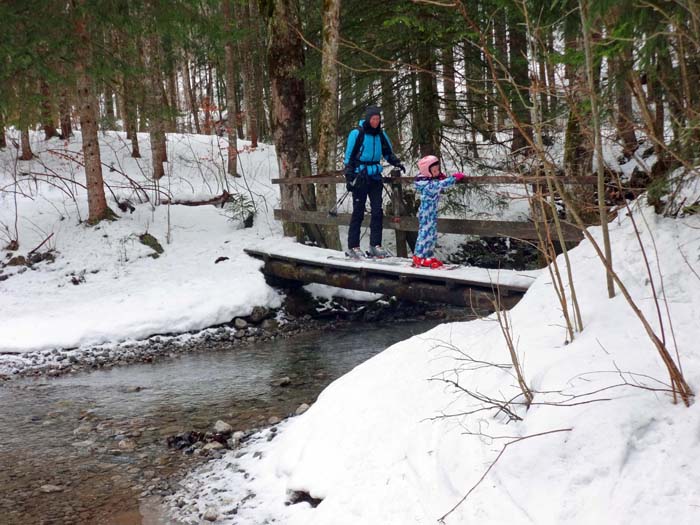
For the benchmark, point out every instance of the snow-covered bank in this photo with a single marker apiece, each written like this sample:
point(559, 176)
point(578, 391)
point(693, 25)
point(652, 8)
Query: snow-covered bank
point(375, 449)
point(105, 285)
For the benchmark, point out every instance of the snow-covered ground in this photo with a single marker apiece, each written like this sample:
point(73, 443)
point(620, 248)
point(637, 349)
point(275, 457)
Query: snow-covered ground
point(399, 440)
point(122, 291)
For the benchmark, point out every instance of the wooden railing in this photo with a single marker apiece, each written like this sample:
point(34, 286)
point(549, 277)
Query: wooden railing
point(402, 223)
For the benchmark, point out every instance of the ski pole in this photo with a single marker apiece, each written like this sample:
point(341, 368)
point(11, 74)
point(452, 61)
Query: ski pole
point(333, 212)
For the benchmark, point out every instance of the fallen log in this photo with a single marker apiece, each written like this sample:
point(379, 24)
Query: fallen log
point(219, 200)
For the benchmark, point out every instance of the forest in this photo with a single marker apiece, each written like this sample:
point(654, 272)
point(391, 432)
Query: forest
point(450, 77)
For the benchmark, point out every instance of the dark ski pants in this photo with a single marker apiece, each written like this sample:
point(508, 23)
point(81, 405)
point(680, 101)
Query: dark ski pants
point(373, 190)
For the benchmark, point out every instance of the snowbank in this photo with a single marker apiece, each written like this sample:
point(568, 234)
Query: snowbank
point(376, 451)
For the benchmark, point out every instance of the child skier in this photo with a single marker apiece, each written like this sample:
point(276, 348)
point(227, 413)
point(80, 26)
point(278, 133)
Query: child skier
point(429, 184)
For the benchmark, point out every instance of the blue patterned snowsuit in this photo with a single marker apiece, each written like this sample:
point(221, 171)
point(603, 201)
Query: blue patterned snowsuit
point(429, 191)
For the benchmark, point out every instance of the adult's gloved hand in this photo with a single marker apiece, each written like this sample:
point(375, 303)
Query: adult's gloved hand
point(459, 176)
point(350, 177)
point(394, 161)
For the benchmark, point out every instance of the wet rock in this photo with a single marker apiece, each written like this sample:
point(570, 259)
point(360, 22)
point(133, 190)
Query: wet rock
point(221, 427)
point(301, 409)
point(48, 489)
point(282, 381)
point(130, 389)
point(259, 314)
point(82, 429)
point(269, 324)
point(214, 445)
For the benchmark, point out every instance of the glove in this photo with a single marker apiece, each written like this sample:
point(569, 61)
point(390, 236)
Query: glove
point(459, 176)
point(394, 161)
point(349, 178)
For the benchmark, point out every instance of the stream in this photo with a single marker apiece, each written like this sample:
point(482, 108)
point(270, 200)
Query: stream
point(90, 448)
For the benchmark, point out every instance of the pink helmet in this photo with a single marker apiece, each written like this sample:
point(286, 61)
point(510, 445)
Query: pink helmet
point(426, 163)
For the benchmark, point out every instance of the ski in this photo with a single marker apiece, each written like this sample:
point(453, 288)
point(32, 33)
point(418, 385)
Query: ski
point(393, 261)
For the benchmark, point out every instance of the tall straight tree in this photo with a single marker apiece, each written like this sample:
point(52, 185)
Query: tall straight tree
point(427, 111)
point(285, 61)
point(231, 102)
point(3, 140)
point(245, 47)
point(87, 103)
point(46, 111)
point(520, 93)
point(448, 78)
point(328, 119)
point(155, 106)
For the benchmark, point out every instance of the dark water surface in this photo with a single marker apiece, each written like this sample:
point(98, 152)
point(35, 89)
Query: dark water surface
point(90, 448)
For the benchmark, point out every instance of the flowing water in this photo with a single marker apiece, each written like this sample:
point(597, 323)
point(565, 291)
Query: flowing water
point(90, 448)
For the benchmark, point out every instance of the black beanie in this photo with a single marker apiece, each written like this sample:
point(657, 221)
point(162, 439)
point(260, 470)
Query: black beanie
point(372, 110)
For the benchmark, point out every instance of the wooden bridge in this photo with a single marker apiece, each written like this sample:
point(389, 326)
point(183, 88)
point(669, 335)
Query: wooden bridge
point(290, 264)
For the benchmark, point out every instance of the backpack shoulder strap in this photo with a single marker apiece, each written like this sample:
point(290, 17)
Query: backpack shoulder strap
point(358, 144)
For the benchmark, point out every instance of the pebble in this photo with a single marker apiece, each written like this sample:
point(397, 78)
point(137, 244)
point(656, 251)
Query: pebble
point(127, 444)
point(48, 489)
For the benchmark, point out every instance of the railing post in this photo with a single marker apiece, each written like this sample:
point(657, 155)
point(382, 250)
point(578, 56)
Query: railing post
point(398, 207)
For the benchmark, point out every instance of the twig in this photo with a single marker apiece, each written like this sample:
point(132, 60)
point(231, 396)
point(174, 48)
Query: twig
point(40, 245)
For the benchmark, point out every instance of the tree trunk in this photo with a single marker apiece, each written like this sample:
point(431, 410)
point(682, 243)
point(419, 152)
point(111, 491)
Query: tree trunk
point(155, 108)
point(130, 117)
point(64, 110)
point(245, 48)
point(3, 140)
point(448, 78)
point(624, 120)
point(285, 60)
point(173, 99)
point(110, 117)
point(25, 146)
point(46, 112)
point(258, 72)
point(428, 110)
point(391, 123)
point(544, 106)
point(88, 108)
point(191, 97)
point(501, 43)
point(551, 78)
point(520, 93)
point(328, 119)
point(578, 147)
point(231, 73)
